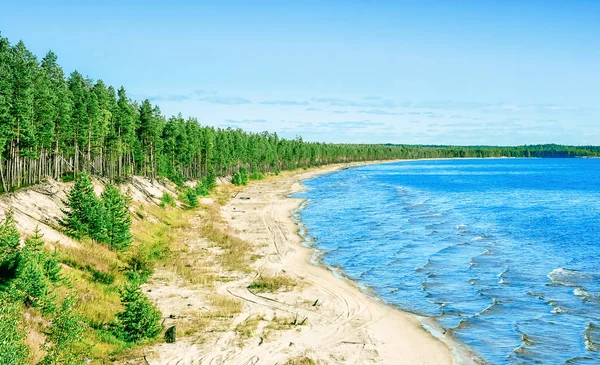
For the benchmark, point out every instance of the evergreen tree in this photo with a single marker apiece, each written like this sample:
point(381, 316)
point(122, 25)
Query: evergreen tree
point(189, 198)
point(9, 247)
point(32, 279)
point(139, 319)
point(118, 222)
point(85, 214)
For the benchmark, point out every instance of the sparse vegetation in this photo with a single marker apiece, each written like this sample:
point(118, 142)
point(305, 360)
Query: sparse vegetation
point(167, 200)
point(302, 360)
point(271, 284)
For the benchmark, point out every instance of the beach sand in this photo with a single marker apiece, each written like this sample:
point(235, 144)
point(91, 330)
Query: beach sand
point(324, 317)
point(346, 326)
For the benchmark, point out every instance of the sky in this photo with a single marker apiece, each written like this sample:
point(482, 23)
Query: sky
point(405, 71)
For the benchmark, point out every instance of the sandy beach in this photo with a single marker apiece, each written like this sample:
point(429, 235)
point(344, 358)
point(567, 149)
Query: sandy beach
point(345, 326)
point(322, 317)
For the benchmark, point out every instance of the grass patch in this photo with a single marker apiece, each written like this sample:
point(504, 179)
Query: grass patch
point(247, 328)
point(302, 360)
point(224, 306)
point(264, 284)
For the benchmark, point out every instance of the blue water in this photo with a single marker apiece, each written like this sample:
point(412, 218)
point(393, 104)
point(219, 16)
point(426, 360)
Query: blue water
point(504, 253)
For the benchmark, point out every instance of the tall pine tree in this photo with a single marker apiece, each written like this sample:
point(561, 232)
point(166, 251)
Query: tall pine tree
point(118, 222)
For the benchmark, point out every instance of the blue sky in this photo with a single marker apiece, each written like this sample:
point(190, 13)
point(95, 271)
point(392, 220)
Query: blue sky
point(432, 72)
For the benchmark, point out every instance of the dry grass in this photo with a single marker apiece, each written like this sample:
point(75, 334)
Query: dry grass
point(302, 360)
point(224, 306)
point(235, 251)
point(271, 284)
point(247, 328)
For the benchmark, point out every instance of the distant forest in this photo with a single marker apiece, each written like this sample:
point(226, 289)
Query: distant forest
point(55, 126)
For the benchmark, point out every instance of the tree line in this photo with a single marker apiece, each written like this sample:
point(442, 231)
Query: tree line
point(53, 125)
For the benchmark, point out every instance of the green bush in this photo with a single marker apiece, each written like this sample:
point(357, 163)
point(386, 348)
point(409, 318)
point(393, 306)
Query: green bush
point(202, 190)
point(13, 350)
point(106, 220)
point(9, 247)
point(189, 198)
point(210, 181)
point(63, 337)
point(240, 177)
point(167, 200)
point(255, 175)
point(139, 319)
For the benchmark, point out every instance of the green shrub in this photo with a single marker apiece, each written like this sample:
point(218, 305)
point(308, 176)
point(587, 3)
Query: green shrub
point(167, 200)
point(255, 175)
point(139, 319)
point(210, 181)
point(189, 198)
point(13, 350)
point(202, 190)
point(240, 177)
point(64, 336)
point(9, 247)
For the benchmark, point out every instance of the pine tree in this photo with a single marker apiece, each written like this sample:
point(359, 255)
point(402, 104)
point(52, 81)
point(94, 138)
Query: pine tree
point(32, 281)
point(9, 247)
point(85, 214)
point(6, 101)
point(139, 319)
point(118, 222)
point(189, 198)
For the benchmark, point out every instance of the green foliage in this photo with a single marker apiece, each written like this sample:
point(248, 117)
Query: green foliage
point(118, 222)
point(13, 350)
point(240, 177)
point(201, 190)
point(86, 215)
point(210, 181)
point(64, 336)
point(105, 220)
point(139, 319)
point(9, 246)
point(189, 198)
point(36, 275)
point(167, 200)
point(52, 267)
point(101, 276)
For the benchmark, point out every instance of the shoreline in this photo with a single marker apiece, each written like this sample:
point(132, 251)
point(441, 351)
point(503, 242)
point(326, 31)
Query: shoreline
point(390, 334)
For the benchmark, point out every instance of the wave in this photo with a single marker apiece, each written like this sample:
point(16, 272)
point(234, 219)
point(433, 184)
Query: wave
point(558, 310)
point(568, 277)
